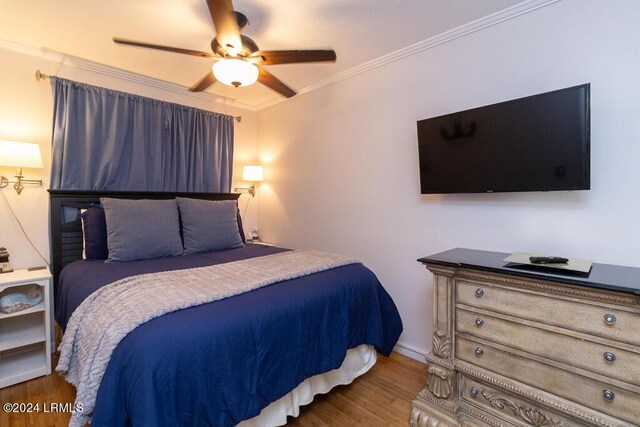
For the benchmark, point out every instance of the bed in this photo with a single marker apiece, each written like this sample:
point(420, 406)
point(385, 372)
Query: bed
point(248, 359)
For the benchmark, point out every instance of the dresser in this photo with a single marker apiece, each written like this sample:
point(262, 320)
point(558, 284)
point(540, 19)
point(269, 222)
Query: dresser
point(530, 346)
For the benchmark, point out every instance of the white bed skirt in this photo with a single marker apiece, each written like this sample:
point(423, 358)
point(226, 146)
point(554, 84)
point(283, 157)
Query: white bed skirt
point(357, 361)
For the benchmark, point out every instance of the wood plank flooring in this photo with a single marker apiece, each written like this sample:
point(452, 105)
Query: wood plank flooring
point(381, 397)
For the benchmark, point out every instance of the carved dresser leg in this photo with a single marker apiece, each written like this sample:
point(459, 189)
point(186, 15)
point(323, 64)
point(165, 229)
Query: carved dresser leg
point(420, 418)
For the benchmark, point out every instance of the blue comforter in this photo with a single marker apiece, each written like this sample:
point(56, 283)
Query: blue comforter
point(220, 363)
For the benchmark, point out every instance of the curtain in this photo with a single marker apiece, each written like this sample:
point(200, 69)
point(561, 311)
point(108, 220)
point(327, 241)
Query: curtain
point(109, 140)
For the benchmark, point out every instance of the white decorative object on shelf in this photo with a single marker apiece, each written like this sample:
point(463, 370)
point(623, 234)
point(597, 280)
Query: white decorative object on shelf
point(20, 299)
point(26, 335)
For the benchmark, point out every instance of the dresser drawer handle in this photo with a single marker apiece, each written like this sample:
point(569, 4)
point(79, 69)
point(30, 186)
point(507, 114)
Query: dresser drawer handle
point(608, 395)
point(474, 391)
point(479, 322)
point(479, 351)
point(609, 319)
point(609, 357)
point(479, 292)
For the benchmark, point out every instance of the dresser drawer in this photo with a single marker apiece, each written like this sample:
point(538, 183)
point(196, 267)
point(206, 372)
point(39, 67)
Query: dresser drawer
point(592, 356)
point(509, 407)
point(623, 404)
point(606, 321)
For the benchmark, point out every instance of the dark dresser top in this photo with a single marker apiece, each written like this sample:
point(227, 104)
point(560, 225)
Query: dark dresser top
point(603, 276)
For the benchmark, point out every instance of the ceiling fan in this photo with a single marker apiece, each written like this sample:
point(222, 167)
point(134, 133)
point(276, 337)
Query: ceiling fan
point(239, 61)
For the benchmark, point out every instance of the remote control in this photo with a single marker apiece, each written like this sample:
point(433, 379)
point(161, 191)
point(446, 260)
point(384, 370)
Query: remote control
point(548, 260)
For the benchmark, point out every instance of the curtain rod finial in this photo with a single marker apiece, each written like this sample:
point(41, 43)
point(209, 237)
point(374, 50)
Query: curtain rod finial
point(40, 75)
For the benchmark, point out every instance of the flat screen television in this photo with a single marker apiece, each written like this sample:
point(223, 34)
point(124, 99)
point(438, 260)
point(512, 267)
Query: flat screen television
point(537, 143)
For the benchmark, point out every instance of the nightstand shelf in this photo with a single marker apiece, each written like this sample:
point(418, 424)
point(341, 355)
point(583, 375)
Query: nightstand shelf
point(26, 336)
point(34, 309)
point(18, 366)
point(20, 331)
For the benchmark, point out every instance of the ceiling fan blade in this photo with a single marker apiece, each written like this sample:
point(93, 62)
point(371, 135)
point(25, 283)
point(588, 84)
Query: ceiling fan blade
point(166, 48)
point(273, 57)
point(268, 79)
point(227, 30)
point(204, 82)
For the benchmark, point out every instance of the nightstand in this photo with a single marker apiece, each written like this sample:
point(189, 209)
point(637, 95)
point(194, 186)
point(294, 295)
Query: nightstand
point(25, 336)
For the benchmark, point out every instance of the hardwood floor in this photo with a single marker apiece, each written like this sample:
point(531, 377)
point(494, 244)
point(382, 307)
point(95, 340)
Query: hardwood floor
point(44, 390)
point(381, 397)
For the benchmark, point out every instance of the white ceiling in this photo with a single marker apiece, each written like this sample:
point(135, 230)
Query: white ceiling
point(358, 30)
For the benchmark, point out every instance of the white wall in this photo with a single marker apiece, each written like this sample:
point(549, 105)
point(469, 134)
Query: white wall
point(26, 114)
point(341, 164)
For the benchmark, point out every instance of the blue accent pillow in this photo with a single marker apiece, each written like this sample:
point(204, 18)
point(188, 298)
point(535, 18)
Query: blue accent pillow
point(240, 228)
point(94, 226)
point(209, 225)
point(141, 229)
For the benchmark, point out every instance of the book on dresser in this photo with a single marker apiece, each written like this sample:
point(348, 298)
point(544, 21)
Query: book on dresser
point(530, 347)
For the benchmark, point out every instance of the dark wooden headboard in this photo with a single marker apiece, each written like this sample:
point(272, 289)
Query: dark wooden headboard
point(66, 238)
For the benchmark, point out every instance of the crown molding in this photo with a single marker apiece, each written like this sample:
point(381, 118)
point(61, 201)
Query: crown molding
point(106, 70)
point(463, 30)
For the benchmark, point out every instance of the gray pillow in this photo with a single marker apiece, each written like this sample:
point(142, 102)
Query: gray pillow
point(141, 229)
point(209, 225)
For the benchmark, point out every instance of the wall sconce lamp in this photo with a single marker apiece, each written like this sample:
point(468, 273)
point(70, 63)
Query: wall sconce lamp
point(20, 155)
point(251, 174)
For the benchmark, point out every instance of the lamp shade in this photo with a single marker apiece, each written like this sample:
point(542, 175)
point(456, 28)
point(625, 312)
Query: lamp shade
point(235, 72)
point(252, 174)
point(20, 154)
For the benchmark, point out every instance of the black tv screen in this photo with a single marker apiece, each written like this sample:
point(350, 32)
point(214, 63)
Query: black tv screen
point(537, 143)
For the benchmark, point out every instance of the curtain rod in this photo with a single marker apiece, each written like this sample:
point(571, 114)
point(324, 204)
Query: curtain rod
point(40, 75)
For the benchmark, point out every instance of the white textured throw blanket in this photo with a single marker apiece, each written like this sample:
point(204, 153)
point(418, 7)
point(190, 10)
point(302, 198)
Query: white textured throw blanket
point(109, 314)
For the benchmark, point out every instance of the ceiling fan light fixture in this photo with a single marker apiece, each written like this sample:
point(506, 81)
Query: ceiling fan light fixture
point(235, 72)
